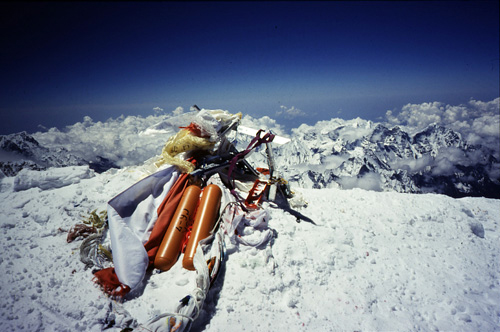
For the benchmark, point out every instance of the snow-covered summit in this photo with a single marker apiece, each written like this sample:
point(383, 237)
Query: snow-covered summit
point(370, 261)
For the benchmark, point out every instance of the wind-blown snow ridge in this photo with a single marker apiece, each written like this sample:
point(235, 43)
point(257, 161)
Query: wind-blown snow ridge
point(54, 178)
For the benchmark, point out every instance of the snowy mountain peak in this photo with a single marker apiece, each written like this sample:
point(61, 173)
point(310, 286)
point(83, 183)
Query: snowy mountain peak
point(21, 143)
point(347, 153)
point(22, 151)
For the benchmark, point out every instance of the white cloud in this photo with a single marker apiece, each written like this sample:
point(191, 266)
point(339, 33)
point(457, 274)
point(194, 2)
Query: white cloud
point(369, 181)
point(417, 115)
point(456, 117)
point(445, 161)
point(413, 165)
point(290, 113)
point(120, 139)
point(477, 121)
point(160, 111)
point(157, 110)
point(178, 111)
point(116, 139)
point(265, 123)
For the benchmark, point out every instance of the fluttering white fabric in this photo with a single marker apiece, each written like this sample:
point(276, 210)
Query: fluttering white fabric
point(131, 217)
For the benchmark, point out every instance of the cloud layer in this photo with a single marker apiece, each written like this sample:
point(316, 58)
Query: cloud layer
point(478, 122)
point(290, 112)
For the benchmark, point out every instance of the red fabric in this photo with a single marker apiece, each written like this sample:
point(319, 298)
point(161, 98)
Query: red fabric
point(107, 278)
point(110, 283)
point(195, 130)
point(264, 171)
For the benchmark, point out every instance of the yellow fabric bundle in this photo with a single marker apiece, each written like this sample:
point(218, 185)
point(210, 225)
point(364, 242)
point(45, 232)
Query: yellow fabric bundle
point(183, 141)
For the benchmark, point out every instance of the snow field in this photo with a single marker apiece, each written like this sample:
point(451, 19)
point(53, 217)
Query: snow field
point(45, 287)
point(372, 261)
point(367, 266)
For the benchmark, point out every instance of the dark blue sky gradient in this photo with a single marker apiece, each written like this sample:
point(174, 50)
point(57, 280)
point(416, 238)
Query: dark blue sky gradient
point(62, 61)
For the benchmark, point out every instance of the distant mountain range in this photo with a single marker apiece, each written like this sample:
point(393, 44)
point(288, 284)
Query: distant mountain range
point(22, 150)
point(336, 153)
point(359, 153)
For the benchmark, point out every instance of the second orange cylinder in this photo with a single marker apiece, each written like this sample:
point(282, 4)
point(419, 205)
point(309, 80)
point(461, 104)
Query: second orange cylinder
point(204, 221)
point(170, 246)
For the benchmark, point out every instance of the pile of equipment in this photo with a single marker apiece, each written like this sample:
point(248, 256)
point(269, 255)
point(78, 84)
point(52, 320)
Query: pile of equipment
point(204, 192)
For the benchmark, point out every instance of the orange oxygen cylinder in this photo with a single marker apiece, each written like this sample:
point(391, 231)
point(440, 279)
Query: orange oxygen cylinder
point(203, 222)
point(170, 246)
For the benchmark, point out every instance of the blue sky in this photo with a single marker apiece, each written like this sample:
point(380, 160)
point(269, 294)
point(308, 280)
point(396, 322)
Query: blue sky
point(62, 61)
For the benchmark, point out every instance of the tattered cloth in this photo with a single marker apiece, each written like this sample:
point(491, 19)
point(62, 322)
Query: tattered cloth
point(138, 219)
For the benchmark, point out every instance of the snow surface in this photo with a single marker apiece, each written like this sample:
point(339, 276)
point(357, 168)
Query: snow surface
point(371, 261)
